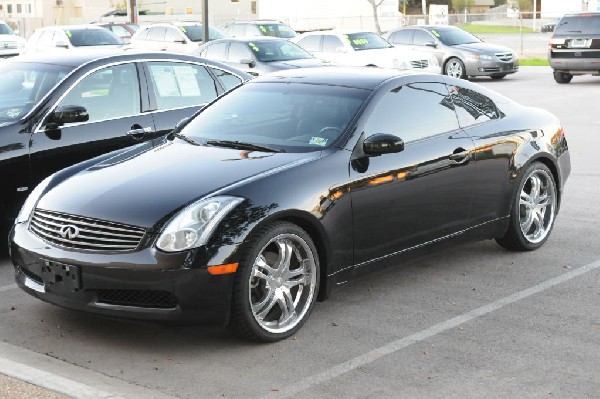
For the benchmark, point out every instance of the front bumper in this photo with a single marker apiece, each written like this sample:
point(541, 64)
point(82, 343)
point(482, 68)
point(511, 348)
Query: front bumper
point(147, 284)
point(477, 67)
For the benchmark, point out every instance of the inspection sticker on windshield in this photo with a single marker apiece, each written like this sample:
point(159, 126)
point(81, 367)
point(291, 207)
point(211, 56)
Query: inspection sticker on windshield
point(318, 141)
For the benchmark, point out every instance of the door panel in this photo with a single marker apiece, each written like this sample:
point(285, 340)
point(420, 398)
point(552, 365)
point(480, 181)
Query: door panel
point(422, 193)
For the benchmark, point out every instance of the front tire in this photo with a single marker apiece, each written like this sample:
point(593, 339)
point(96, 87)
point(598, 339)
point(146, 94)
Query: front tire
point(455, 68)
point(276, 284)
point(562, 77)
point(533, 211)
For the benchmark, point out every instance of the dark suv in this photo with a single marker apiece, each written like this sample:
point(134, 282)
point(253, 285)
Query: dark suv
point(575, 46)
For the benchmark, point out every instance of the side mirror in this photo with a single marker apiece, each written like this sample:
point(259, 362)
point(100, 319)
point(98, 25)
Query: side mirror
point(431, 44)
point(61, 44)
point(382, 143)
point(70, 114)
point(247, 61)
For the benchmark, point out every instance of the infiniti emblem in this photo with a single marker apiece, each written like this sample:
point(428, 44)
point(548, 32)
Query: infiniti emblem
point(69, 231)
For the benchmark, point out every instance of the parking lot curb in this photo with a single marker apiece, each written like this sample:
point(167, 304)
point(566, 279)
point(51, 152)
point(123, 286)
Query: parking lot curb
point(49, 373)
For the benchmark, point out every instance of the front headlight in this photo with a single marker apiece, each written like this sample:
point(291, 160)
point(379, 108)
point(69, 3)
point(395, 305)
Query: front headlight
point(32, 200)
point(193, 226)
point(480, 56)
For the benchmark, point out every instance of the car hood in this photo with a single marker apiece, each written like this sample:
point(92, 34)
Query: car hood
point(11, 38)
point(144, 185)
point(484, 48)
point(300, 63)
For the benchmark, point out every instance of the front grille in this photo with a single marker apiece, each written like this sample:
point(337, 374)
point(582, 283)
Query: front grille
point(506, 57)
point(8, 45)
point(78, 232)
point(419, 64)
point(138, 298)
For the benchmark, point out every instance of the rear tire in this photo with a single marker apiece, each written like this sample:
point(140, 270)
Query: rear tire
point(533, 211)
point(276, 283)
point(562, 77)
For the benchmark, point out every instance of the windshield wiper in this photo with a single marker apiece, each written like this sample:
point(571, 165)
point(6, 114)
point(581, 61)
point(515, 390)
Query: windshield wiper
point(186, 138)
point(240, 145)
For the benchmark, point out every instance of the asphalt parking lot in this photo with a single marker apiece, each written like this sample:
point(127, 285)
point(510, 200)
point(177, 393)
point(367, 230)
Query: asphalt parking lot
point(474, 321)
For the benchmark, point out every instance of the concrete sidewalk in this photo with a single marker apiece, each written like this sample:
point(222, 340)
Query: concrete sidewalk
point(11, 388)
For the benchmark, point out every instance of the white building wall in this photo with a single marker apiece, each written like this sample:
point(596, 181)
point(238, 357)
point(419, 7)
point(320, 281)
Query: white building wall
point(556, 8)
point(323, 14)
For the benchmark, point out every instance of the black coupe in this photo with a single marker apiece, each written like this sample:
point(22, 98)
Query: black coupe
point(285, 187)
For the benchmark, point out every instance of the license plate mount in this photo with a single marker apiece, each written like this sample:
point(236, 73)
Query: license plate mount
point(60, 276)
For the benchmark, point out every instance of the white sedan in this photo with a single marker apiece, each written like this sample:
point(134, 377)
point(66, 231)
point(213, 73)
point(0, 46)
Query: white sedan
point(352, 48)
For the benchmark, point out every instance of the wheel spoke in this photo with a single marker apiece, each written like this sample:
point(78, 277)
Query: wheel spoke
point(526, 224)
point(536, 185)
point(287, 305)
point(262, 308)
point(261, 263)
point(285, 256)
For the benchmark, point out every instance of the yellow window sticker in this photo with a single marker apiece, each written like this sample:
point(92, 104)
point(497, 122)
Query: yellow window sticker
point(318, 141)
point(182, 28)
point(262, 28)
point(68, 32)
point(435, 33)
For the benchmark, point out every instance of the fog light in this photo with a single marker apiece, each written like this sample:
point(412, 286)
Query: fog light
point(481, 70)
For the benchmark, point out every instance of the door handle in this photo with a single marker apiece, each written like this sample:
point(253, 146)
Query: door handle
point(138, 132)
point(460, 156)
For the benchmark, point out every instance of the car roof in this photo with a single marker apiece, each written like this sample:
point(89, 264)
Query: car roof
point(70, 27)
point(359, 77)
point(78, 58)
point(248, 39)
point(338, 32)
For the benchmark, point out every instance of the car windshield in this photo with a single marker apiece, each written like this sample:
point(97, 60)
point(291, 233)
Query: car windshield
point(5, 30)
point(196, 34)
point(22, 85)
point(277, 50)
point(583, 23)
point(291, 117)
point(92, 37)
point(133, 27)
point(277, 30)
point(366, 41)
point(454, 37)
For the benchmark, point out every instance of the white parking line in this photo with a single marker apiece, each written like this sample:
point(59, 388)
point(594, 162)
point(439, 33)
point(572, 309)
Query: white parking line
point(8, 287)
point(402, 343)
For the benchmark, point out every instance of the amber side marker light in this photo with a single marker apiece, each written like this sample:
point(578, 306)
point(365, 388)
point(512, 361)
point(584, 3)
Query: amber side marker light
point(223, 269)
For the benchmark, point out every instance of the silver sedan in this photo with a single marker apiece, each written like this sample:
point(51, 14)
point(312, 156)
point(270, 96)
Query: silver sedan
point(459, 53)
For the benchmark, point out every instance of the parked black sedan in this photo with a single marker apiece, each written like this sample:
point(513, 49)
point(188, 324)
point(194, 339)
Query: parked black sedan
point(60, 109)
point(285, 187)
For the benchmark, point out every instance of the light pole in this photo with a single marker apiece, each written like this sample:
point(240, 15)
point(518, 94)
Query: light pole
point(132, 11)
point(205, 20)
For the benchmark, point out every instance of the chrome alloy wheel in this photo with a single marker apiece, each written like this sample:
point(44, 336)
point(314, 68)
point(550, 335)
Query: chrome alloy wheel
point(455, 68)
point(537, 203)
point(282, 283)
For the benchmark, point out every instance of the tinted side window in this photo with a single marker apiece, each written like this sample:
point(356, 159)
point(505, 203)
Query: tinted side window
point(402, 37)
point(311, 43)
point(109, 93)
point(472, 107)
point(216, 51)
point(228, 80)
point(331, 44)
point(157, 34)
point(178, 84)
point(421, 38)
point(413, 111)
point(238, 51)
